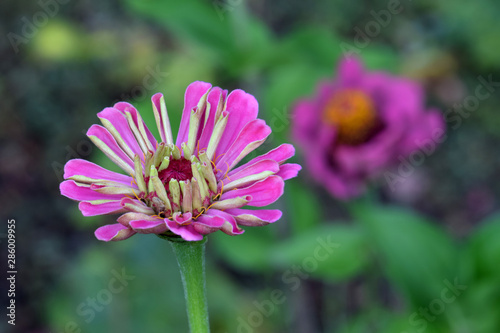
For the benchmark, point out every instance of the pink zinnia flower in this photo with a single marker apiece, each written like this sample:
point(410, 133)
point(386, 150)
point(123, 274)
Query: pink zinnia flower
point(359, 124)
point(189, 188)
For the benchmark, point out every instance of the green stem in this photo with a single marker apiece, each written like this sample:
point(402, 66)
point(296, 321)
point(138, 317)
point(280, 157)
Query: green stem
point(191, 259)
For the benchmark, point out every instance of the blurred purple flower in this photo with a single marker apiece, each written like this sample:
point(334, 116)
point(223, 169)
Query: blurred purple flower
point(358, 124)
point(187, 189)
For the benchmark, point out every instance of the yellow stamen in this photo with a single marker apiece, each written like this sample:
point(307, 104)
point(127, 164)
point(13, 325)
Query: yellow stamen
point(135, 195)
point(353, 114)
point(202, 211)
point(217, 157)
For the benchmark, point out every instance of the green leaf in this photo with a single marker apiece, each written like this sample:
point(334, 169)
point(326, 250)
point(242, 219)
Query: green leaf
point(304, 209)
point(333, 252)
point(416, 255)
point(240, 43)
point(312, 45)
point(249, 251)
point(191, 19)
point(384, 320)
point(484, 248)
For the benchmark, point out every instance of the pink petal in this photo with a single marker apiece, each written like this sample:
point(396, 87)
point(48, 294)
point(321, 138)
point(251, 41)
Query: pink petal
point(427, 131)
point(126, 218)
point(134, 205)
point(181, 218)
point(93, 209)
point(350, 69)
point(289, 170)
point(232, 203)
point(78, 169)
point(230, 226)
point(194, 92)
point(279, 154)
point(206, 224)
point(214, 99)
point(187, 232)
point(242, 108)
point(263, 193)
point(339, 185)
point(120, 123)
point(254, 218)
point(305, 121)
point(127, 107)
point(111, 149)
point(251, 173)
point(405, 97)
point(156, 102)
point(113, 232)
point(149, 227)
point(72, 190)
point(250, 137)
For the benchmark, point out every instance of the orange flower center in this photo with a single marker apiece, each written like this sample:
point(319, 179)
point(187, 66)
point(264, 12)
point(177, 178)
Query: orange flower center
point(353, 114)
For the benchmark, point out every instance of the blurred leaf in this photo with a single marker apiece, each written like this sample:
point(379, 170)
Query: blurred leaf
point(249, 251)
point(191, 19)
point(381, 320)
point(417, 256)
point(311, 45)
point(287, 84)
point(147, 297)
point(484, 248)
point(304, 209)
point(224, 298)
point(240, 42)
point(481, 35)
point(481, 302)
point(301, 60)
point(333, 252)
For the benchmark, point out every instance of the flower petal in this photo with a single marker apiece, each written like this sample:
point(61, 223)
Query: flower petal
point(305, 121)
point(116, 123)
point(350, 69)
point(182, 218)
point(232, 203)
point(255, 218)
point(146, 134)
point(161, 117)
point(194, 93)
point(149, 227)
point(206, 224)
point(289, 170)
point(100, 208)
point(187, 232)
point(279, 154)
point(113, 232)
point(250, 137)
point(82, 192)
point(111, 189)
point(263, 193)
point(133, 205)
point(87, 172)
point(252, 173)
point(108, 145)
point(215, 98)
point(230, 226)
point(242, 108)
point(126, 218)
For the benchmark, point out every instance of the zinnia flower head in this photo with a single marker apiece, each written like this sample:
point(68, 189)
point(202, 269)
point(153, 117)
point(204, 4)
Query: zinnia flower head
point(359, 124)
point(189, 188)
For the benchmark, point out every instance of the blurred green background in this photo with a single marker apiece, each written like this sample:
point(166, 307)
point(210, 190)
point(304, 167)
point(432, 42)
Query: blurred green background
point(422, 258)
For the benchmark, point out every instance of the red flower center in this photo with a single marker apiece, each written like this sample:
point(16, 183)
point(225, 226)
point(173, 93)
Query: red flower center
point(353, 114)
point(177, 169)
